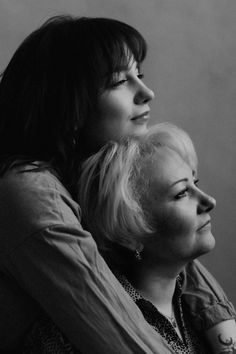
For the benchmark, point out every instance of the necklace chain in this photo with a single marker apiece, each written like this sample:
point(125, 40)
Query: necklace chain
point(172, 320)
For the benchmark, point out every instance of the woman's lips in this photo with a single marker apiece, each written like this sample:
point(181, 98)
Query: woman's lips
point(206, 225)
point(141, 118)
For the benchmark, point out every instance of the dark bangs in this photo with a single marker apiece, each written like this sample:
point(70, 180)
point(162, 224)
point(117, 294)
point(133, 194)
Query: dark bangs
point(112, 46)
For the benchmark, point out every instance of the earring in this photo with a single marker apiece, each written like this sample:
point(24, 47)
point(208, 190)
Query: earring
point(137, 255)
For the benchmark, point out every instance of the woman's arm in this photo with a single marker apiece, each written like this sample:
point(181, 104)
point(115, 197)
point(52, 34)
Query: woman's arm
point(55, 263)
point(204, 298)
point(222, 337)
point(209, 308)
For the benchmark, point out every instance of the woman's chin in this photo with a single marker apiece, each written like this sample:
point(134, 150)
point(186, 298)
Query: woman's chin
point(207, 244)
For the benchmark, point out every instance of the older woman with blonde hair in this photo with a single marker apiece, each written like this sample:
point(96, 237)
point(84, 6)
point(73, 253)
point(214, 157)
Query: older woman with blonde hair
point(142, 203)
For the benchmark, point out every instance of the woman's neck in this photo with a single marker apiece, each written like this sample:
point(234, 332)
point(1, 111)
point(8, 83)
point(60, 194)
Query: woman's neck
point(156, 284)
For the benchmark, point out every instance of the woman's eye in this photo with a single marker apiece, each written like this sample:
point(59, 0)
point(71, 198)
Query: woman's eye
point(116, 82)
point(119, 83)
point(182, 194)
point(140, 76)
point(196, 182)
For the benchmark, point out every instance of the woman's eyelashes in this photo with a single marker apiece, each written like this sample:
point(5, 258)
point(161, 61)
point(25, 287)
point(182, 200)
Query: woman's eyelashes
point(196, 182)
point(140, 76)
point(184, 192)
point(119, 81)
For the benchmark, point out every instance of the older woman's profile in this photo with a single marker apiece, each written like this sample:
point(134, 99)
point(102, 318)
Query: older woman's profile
point(143, 204)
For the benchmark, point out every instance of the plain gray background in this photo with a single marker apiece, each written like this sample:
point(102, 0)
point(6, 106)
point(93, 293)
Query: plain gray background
point(191, 66)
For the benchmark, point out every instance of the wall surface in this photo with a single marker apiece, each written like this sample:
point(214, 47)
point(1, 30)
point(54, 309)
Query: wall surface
point(191, 66)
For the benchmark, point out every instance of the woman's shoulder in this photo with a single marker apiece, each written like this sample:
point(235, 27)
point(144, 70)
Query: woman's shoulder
point(30, 181)
point(31, 176)
point(32, 199)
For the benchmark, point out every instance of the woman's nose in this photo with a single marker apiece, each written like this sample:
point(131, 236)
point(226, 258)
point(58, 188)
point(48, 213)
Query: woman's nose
point(144, 94)
point(206, 203)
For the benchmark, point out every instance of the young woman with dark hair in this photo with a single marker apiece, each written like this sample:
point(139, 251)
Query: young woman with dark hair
point(71, 86)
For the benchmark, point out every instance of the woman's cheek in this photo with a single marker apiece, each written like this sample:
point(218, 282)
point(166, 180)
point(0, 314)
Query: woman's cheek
point(174, 224)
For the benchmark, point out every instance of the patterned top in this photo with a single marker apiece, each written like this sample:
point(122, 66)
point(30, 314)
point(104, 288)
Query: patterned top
point(45, 337)
point(190, 344)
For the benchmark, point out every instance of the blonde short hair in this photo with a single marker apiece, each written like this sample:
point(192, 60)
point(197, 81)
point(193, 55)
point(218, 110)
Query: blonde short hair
point(113, 183)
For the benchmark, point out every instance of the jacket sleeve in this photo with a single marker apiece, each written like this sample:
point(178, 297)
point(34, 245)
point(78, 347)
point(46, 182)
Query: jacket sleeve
point(204, 298)
point(80, 294)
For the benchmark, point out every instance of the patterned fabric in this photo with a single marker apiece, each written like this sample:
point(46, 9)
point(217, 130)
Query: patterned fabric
point(46, 338)
point(190, 344)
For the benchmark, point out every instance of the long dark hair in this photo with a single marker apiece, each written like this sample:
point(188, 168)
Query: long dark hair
point(51, 86)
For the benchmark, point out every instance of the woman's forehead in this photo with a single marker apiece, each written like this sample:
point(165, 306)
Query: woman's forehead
point(125, 62)
point(165, 163)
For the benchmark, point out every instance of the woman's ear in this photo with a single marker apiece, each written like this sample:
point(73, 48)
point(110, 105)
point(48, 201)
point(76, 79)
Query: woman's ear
point(139, 247)
point(137, 252)
point(135, 246)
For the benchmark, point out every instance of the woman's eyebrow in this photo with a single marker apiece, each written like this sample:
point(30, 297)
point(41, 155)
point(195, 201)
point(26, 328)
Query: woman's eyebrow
point(179, 180)
point(125, 67)
point(120, 69)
